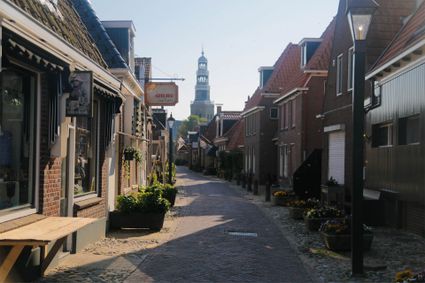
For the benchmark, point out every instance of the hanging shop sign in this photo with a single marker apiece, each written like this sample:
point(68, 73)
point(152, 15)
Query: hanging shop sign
point(80, 98)
point(162, 94)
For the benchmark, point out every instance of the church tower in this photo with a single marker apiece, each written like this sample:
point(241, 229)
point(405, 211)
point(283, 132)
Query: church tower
point(202, 105)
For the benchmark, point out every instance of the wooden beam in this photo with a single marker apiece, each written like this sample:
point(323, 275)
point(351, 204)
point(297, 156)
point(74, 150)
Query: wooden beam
point(9, 261)
point(53, 251)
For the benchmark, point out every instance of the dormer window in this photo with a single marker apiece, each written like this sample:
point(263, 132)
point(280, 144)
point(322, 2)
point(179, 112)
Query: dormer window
point(308, 48)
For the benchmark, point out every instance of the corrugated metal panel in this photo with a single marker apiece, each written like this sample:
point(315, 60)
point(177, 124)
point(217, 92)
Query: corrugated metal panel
point(401, 167)
point(337, 156)
point(403, 96)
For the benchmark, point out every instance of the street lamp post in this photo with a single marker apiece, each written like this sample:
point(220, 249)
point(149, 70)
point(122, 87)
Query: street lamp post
point(359, 13)
point(170, 122)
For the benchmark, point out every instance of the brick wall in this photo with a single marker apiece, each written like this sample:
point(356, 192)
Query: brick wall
point(50, 168)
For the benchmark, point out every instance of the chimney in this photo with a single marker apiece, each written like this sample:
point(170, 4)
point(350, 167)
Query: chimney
point(219, 107)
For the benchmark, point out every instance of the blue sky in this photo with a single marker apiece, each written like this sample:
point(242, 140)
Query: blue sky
point(238, 37)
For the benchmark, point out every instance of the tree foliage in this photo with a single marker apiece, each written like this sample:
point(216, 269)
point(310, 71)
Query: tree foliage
point(190, 124)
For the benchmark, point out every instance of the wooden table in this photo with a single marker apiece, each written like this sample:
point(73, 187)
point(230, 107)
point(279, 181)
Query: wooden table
point(39, 234)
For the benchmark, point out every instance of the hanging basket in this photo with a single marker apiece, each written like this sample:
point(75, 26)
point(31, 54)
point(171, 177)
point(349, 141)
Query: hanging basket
point(128, 156)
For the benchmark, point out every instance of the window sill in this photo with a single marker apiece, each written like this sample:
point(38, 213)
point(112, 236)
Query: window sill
point(17, 214)
point(86, 203)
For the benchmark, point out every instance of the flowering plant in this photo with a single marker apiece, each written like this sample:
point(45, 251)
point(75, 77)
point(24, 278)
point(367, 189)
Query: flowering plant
point(407, 276)
point(280, 194)
point(340, 226)
point(324, 212)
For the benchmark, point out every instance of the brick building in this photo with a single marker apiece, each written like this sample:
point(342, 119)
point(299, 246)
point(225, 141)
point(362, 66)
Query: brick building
point(337, 121)
point(54, 147)
point(299, 133)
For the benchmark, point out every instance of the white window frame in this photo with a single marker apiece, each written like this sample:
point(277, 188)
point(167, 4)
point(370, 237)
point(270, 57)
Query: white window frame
point(350, 68)
point(339, 61)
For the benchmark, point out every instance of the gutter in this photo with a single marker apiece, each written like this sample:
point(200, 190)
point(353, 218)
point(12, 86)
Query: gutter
point(129, 82)
point(252, 111)
point(295, 90)
point(407, 52)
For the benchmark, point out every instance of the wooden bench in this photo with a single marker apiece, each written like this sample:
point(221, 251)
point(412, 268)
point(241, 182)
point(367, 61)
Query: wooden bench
point(39, 234)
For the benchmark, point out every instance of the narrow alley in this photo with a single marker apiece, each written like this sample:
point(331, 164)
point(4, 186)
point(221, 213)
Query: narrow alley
point(218, 236)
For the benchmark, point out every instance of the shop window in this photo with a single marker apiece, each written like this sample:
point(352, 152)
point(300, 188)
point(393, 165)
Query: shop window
point(408, 130)
point(382, 135)
point(17, 138)
point(86, 152)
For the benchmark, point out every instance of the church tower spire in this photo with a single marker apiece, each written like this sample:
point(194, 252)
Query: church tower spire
point(202, 105)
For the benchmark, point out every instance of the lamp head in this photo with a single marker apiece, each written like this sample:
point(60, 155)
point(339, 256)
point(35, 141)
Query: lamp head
point(170, 121)
point(359, 13)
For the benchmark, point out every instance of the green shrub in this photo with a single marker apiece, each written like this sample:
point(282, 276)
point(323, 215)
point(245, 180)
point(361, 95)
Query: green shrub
point(147, 200)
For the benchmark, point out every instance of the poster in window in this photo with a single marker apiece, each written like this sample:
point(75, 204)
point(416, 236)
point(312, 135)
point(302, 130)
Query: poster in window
point(80, 99)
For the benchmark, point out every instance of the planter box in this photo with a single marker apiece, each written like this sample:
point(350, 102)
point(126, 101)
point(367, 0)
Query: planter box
point(153, 221)
point(343, 242)
point(296, 213)
point(283, 201)
point(313, 224)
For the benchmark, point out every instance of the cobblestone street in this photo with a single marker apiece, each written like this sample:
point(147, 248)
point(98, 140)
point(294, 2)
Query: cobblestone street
point(212, 235)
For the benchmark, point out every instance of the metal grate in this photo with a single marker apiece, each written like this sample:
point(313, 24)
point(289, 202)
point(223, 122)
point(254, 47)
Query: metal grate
point(242, 234)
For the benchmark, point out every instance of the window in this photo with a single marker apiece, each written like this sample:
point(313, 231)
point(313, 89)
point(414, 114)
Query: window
point(289, 114)
point(350, 68)
point(382, 135)
point(273, 113)
point(409, 130)
point(303, 55)
point(286, 116)
point(17, 138)
point(339, 75)
point(86, 153)
point(293, 113)
point(282, 117)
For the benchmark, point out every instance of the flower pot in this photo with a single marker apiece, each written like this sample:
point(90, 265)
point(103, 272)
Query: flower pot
point(342, 242)
point(280, 201)
point(296, 213)
point(313, 224)
point(128, 156)
point(283, 201)
point(153, 221)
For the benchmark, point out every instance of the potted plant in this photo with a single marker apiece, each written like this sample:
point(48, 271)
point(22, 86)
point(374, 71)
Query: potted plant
point(297, 208)
point(336, 234)
point(282, 198)
point(314, 217)
point(144, 209)
point(169, 192)
point(132, 153)
point(332, 193)
point(407, 276)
